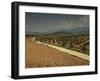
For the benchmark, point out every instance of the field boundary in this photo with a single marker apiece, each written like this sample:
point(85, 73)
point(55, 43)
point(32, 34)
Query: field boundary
point(71, 52)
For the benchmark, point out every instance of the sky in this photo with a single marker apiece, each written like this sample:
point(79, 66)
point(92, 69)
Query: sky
point(46, 23)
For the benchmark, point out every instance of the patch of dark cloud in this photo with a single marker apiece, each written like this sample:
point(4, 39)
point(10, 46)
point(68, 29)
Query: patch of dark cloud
point(42, 22)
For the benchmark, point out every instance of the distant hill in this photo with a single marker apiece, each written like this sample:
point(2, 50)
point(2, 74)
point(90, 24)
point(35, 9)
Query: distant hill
point(59, 33)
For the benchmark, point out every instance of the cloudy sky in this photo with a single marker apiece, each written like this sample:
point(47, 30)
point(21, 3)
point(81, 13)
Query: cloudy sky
point(42, 22)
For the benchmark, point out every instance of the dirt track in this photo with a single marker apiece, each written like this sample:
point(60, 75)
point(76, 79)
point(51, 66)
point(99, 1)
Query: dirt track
point(38, 55)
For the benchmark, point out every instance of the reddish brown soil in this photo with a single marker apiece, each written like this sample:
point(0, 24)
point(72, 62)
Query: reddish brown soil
point(38, 55)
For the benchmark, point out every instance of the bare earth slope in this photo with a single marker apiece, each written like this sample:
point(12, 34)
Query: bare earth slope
point(38, 55)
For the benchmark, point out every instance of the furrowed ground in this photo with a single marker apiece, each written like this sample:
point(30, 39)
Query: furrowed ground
point(38, 55)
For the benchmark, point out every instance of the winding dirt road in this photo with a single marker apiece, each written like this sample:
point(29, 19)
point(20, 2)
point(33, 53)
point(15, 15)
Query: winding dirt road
point(39, 55)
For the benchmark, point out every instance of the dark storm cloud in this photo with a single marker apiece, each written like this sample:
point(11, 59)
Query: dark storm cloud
point(42, 22)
